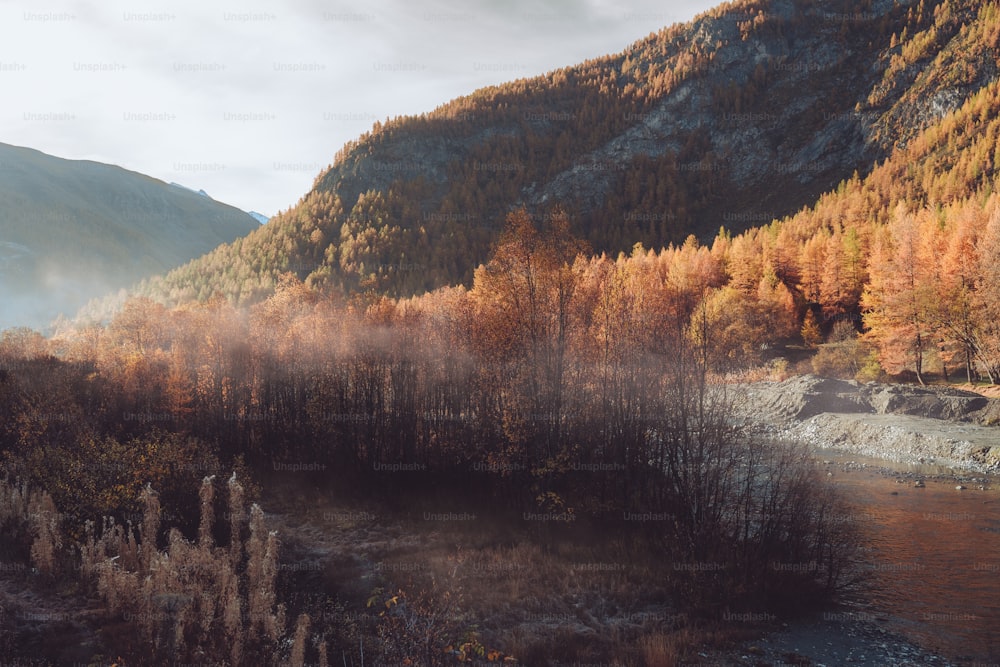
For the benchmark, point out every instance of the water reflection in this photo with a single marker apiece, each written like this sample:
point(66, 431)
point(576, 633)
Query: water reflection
point(934, 558)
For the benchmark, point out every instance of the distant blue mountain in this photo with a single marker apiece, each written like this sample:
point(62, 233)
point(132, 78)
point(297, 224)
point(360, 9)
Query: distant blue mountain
point(73, 230)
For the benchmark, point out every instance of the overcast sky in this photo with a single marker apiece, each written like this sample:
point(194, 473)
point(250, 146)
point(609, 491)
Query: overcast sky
point(250, 100)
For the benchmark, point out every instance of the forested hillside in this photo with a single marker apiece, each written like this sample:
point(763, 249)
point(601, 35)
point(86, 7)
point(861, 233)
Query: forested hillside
point(747, 114)
point(74, 230)
point(907, 253)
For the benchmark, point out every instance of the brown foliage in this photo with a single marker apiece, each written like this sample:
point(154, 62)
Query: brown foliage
point(29, 517)
point(191, 599)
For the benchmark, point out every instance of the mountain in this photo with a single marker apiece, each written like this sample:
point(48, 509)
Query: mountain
point(72, 230)
point(259, 217)
point(747, 114)
point(200, 192)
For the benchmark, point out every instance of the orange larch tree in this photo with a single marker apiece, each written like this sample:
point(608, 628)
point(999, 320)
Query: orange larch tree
point(897, 299)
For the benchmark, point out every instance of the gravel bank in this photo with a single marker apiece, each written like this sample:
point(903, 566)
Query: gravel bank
point(900, 423)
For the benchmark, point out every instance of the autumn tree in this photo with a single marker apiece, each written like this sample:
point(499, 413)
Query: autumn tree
point(815, 266)
point(528, 287)
point(987, 296)
point(953, 307)
point(843, 276)
point(898, 297)
point(811, 334)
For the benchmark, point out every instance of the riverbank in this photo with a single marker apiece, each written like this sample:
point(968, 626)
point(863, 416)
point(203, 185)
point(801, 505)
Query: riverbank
point(921, 434)
point(901, 423)
point(826, 640)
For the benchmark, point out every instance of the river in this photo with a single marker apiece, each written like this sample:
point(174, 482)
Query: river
point(933, 553)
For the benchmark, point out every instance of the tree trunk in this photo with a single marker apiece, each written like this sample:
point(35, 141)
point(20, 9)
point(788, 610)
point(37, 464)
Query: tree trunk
point(919, 363)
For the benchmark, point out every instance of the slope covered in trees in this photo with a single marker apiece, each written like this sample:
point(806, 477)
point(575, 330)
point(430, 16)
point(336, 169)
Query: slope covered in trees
point(905, 254)
point(746, 114)
point(73, 230)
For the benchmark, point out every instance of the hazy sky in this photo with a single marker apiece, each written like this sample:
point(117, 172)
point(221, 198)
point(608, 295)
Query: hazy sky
point(250, 100)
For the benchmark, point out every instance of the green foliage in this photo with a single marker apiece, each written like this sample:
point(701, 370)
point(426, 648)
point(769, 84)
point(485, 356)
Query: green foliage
point(870, 370)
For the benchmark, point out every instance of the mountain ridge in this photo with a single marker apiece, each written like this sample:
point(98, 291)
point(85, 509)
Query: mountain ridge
point(76, 229)
point(747, 114)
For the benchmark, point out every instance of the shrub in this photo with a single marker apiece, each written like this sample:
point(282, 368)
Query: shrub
point(189, 602)
point(298, 656)
point(14, 518)
point(30, 522)
point(97, 476)
point(45, 521)
point(738, 504)
point(846, 356)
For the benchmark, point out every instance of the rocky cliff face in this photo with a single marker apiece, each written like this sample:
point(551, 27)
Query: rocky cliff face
point(798, 123)
point(778, 90)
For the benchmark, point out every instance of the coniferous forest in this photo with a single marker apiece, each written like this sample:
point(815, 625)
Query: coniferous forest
point(488, 401)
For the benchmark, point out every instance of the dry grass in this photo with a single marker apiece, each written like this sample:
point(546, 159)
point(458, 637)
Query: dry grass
point(32, 514)
point(987, 390)
point(664, 650)
point(471, 586)
point(192, 601)
point(540, 603)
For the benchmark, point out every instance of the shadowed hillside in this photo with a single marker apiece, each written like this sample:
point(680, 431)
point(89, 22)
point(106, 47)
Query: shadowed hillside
point(72, 230)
